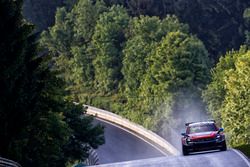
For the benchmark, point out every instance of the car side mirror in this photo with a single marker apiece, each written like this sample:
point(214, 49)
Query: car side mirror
point(184, 134)
point(220, 130)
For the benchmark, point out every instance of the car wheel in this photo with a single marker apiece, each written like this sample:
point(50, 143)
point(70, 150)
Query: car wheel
point(184, 150)
point(224, 146)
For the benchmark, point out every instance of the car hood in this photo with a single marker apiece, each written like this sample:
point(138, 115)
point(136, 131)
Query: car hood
point(201, 135)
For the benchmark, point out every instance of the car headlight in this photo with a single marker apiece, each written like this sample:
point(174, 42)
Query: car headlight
point(218, 137)
point(188, 139)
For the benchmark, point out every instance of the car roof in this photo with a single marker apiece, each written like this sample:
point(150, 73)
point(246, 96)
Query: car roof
point(200, 123)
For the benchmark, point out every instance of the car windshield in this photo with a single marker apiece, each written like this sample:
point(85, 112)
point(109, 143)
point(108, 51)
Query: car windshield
point(201, 128)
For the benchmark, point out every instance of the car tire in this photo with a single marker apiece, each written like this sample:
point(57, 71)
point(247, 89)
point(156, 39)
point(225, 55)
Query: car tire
point(224, 146)
point(184, 150)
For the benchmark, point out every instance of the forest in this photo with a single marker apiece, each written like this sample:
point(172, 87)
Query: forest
point(156, 63)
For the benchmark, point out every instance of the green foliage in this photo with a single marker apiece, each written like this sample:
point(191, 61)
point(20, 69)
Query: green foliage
point(86, 14)
point(144, 35)
point(215, 92)
point(219, 25)
point(41, 12)
point(178, 72)
point(33, 111)
point(85, 135)
point(108, 42)
point(227, 95)
point(142, 38)
point(246, 16)
point(69, 41)
point(236, 106)
point(114, 62)
point(59, 38)
point(187, 56)
point(151, 69)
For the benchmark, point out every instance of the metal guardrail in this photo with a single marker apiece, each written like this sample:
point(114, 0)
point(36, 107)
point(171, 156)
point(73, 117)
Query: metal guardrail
point(8, 163)
point(147, 134)
point(93, 158)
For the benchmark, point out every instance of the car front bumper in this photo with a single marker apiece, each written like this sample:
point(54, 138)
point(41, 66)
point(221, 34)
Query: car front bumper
point(204, 145)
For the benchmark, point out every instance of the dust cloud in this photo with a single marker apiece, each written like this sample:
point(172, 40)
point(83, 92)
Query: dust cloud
point(174, 124)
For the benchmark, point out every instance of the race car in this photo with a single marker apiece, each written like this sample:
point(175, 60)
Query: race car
point(201, 136)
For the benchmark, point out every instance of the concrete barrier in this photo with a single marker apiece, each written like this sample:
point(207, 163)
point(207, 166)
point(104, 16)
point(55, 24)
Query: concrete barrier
point(146, 134)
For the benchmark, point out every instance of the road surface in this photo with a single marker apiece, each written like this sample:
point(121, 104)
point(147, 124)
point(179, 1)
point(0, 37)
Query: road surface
point(228, 158)
point(121, 146)
point(123, 149)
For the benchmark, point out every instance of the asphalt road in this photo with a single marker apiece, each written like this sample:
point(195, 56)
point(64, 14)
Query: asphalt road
point(122, 146)
point(228, 158)
point(123, 149)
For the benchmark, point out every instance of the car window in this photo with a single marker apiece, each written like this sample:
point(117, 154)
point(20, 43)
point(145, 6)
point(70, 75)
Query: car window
point(201, 128)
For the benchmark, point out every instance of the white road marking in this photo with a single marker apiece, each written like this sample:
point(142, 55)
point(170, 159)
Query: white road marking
point(242, 156)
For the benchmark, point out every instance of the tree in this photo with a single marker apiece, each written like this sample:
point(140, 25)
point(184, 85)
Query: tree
point(86, 13)
point(14, 74)
point(209, 20)
point(227, 95)
point(107, 41)
point(236, 104)
point(178, 71)
point(246, 16)
point(85, 135)
point(215, 92)
point(144, 35)
point(41, 12)
point(69, 41)
point(26, 115)
point(219, 24)
point(142, 38)
point(33, 106)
